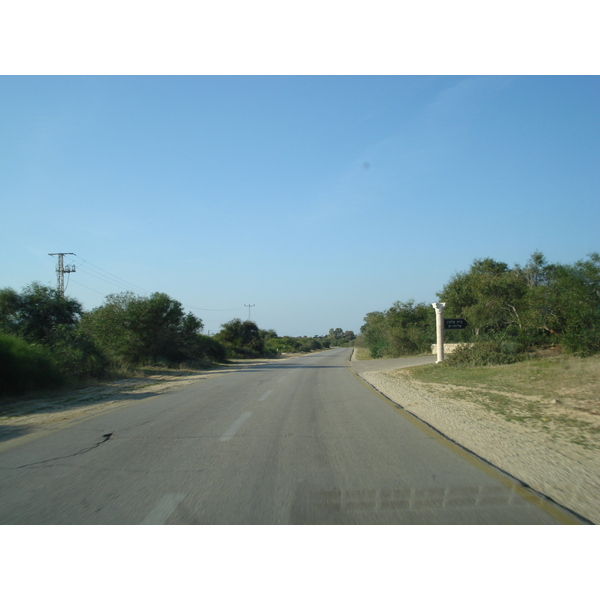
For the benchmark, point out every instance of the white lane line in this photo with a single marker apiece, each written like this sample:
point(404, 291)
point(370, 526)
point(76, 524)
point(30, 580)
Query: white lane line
point(265, 395)
point(163, 510)
point(281, 378)
point(231, 430)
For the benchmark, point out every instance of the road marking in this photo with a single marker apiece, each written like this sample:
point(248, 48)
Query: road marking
point(232, 429)
point(265, 395)
point(281, 378)
point(163, 510)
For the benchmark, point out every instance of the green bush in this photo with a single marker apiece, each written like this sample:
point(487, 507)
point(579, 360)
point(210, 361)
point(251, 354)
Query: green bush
point(310, 344)
point(378, 349)
point(542, 304)
point(486, 353)
point(76, 355)
point(134, 330)
point(35, 314)
point(26, 367)
point(242, 339)
point(405, 329)
point(208, 348)
point(241, 352)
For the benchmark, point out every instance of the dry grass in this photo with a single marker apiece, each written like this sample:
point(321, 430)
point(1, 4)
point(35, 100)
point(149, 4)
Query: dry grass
point(560, 395)
point(362, 354)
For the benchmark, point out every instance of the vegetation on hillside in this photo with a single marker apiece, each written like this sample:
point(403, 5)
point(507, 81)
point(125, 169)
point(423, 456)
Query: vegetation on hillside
point(48, 340)
point(243, 339)
point(510, 312)
point(134, 330)
point(405, 328)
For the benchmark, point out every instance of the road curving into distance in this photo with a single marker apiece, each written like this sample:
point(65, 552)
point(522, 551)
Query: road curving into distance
point(297, 441)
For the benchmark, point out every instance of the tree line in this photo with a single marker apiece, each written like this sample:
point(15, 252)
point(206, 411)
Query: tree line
point(243, 339)
point(48, 340)
point(510, 311)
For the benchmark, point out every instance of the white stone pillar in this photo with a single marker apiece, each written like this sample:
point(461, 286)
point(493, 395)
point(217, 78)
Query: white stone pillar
point(439, 328)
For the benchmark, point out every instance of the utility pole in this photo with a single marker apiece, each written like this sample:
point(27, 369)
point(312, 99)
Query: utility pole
point(249, 306)
point(61, 270)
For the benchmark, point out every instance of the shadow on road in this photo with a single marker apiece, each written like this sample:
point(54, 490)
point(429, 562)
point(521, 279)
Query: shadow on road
point(9, 432)
point(31, 413)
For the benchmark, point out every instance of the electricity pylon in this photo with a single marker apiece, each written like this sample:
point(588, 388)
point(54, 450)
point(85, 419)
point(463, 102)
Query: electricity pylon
point(249, 306)
point(61, 270)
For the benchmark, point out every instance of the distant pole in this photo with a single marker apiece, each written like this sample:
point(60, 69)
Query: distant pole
point(249, 306)
point(439, 328)
point(61, 270)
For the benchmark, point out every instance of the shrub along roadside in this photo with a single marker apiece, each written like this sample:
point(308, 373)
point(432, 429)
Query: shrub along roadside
point(49, 341)
point(404, 329)
point(26, 367)
point(485, 353)
point(509, 311)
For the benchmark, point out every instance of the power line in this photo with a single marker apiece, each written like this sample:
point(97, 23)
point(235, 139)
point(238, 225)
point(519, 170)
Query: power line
point(213, 309)
point(101, 278)
point(85, 266)
point(115, 277)
point(89, 288)
point(68, 279)
point(108, 278)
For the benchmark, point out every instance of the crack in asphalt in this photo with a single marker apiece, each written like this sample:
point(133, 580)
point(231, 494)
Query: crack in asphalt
point(106, 437)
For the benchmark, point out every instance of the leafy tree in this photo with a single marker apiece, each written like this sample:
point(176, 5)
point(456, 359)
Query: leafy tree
point(269, 334)
point(243, 338)
point(339, 337)
point(310, 344)
point(135, 329)
point(289, 344)
point(489, 296)
point(410, 328)
point(76, 354)
point(538, 304)
point(9, 309)
point(572, 305)
point(509, 310)
point(405, 328)
point(36, 313)
point(39, 315)
point(336, 334)
point(162, 328)
point(206, 347)
point(374, 333)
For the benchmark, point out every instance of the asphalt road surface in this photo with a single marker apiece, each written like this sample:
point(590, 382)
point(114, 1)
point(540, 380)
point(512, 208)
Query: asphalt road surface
point(300, 441)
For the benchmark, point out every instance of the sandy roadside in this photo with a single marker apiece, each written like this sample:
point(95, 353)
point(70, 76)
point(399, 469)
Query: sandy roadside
point(566, 472)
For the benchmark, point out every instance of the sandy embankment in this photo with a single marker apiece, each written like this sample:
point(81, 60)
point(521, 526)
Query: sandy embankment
point(566, 472)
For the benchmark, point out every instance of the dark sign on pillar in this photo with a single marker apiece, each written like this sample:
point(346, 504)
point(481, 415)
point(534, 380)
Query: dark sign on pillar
point(455, 323)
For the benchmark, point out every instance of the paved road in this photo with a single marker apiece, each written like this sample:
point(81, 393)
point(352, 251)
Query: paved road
point(301, 441)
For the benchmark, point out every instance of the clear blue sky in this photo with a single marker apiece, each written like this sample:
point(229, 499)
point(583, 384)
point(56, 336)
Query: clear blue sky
point(317, 199)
